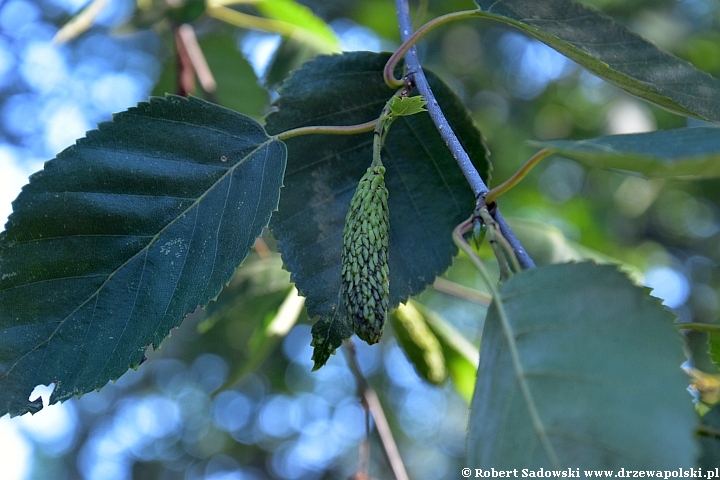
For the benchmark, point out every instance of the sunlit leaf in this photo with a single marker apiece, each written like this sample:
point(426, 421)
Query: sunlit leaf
point(311, 26)
point(614, 53)
point(707, 385)
point(591, 379)
point(419, 342)
point(122, 235)
point(714, 341)
point(405, 106)
point(461, 356)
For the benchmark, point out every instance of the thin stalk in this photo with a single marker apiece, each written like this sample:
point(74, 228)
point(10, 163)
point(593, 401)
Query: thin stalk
point(699, 327)
point(262, 248)
point(185, 76)
point(364, 450)
point(509, 253)
point(436, 114)
point(497, 249)
point(708, 431)
point(461, 291)
point(186, 33)
point(492, 236)
point(80, 23)
point(520, 375)
point(370, 398)
point(388, 74)
point(495, 235)
point(381, 129)
point(381, 125)
point(477, 184)
point(518, 176)
point(328, 130)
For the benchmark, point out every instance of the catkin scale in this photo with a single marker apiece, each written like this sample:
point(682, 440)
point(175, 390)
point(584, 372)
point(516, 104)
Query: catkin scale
point(365, 274)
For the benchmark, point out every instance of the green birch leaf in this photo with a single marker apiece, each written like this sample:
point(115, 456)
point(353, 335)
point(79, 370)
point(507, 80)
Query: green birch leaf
point(428, 194)
point(593, 380)
point(614, 53)
point(122, 235)
point(683, 152)
point(310, 28)
point(405, 106)
point(328, 333)
point(419, 342)
point(461, 356)
point(710, 439)
point(714, 343)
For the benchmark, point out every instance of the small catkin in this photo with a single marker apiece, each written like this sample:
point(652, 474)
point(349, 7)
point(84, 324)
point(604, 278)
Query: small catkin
point(365, 275)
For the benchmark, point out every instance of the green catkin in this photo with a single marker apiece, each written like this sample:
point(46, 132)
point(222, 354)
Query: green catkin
point(365, 274)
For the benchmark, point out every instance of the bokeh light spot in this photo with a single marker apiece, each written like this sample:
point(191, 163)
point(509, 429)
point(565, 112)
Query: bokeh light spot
point(668, 284)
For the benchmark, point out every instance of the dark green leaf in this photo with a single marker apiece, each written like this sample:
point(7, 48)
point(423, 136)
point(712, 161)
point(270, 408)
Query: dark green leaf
point(683, 152)
point(187, 11)
point(419, 342)
point(328, 333)
point(614, 53)
point(710, 439)
point(122, 235)
point(594, 380)
point(428, 193)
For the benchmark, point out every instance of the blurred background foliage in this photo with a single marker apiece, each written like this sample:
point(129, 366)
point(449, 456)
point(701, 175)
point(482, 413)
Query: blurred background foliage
point(171, 419)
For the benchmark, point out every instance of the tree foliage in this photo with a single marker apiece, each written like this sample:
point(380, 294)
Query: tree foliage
point(145, 219)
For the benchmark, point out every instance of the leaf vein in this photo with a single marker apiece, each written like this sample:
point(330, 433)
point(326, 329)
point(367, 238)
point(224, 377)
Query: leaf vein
point(144, 249)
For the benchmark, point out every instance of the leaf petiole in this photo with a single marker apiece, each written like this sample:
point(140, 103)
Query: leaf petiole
point(520, 374)
point(518, 176)
point(328, 130)
point(501, 247)
point(699, 327)
point(399, 105)
point(388, 74)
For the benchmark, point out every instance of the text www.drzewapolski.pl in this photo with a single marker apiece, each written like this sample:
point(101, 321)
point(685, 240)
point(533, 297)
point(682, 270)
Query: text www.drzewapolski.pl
point(579, 473)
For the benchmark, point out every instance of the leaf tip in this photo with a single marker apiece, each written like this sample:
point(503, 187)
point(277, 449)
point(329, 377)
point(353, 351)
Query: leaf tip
point(328, 334)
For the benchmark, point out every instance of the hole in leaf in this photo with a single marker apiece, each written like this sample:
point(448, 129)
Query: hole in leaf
point(42, 392)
